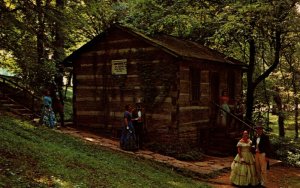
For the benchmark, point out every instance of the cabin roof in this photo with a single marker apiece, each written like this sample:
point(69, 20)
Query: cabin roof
point(177, 47)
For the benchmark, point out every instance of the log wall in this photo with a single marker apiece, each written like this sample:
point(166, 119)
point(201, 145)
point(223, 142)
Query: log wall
point(100, 97)
point(195, 117)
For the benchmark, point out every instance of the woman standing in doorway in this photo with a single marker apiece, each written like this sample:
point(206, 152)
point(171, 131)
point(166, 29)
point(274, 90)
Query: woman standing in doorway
point(224, 100)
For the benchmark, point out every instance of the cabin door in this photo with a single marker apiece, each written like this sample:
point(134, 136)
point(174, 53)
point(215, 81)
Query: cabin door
point(214, 93)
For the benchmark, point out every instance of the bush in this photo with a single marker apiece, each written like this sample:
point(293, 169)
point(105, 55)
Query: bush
point(286, 150)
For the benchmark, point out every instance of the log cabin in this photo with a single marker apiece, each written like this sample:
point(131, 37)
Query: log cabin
point(176, 81)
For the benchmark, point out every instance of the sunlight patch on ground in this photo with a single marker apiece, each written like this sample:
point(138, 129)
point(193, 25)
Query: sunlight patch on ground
point(176, 184)
point(24, 124)
point(53, 181)
point(89, 139)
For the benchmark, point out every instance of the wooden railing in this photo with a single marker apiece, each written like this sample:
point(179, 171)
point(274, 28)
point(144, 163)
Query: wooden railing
point(250, 126)
point(12, 87)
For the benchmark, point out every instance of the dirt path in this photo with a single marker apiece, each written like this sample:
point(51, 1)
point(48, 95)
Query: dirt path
point(279, 177)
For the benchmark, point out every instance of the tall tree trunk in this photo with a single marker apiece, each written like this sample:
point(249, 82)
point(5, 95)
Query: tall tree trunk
point(296, 115)
point(59, 43)
point(296, 102)
point(250, 85)
point(40, 33)
point(295, 80)
point(280, 107)
point(278, 101)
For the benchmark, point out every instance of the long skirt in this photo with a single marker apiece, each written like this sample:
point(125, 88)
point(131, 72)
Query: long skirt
point(48, 117)
point(128, 139)
point(243, 172)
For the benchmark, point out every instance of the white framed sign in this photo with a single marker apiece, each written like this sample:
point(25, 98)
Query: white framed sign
point(119, 66)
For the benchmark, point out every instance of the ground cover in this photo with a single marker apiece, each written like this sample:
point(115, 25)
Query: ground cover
point(39, 157)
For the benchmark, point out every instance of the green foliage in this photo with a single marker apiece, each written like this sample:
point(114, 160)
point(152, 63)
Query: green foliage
point(39, 157)
point(227, 26)
point(186, 19)
point(286, 150)
point(89, 18)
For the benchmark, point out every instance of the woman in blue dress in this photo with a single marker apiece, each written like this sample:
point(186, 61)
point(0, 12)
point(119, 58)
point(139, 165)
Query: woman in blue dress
point(128, 139)
point(48, 116)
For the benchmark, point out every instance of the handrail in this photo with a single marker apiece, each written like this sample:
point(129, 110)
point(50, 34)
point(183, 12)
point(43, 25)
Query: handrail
point(234, 116)
point(9, 79)
point(6, 80)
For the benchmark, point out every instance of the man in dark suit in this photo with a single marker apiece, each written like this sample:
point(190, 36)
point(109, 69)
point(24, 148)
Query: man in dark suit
point(262, 146)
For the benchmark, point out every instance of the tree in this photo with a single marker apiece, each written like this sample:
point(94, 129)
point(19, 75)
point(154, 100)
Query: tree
point(262, 26)
point(185, 18)
point(37, 34)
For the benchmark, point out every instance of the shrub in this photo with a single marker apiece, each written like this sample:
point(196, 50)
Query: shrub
point(286, 150)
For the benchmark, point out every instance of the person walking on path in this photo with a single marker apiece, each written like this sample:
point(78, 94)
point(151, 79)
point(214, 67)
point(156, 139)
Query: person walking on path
point(243, 171)
point(128, 139)
point(262, 148)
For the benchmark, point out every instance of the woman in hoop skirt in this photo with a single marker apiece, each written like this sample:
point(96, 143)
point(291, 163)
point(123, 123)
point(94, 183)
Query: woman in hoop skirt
point(243, 166)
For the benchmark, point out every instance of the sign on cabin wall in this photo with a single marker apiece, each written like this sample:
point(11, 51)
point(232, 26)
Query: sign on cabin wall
point(119, 66)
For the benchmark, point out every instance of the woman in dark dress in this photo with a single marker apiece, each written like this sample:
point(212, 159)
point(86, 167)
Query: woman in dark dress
point(128, 139)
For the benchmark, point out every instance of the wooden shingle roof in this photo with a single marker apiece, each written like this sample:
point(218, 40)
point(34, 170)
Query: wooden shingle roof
point(184, 49)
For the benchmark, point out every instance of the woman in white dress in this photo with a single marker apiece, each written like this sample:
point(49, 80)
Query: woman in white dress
point(243, 166)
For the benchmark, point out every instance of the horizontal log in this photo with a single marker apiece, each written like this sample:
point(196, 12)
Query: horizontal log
point(88, 99)
point(189, 108)
point(91, 76)
point(89, 106)
point(194, 123)
point(100, 88)
point(90, 113)
point(88, 119)
point(193, 115)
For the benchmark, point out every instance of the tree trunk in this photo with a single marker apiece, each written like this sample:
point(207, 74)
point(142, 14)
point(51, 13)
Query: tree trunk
point(278, 102)
point(250, 86)
point(59, 43)
point(40, 32)
point(279, 105)
point(296, 117)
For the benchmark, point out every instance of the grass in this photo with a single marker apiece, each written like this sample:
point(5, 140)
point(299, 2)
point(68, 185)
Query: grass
point(289, 125)
point(39, 157)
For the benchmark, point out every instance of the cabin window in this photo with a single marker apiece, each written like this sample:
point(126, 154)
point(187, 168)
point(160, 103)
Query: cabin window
point(231, 85)
point(195, 75)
